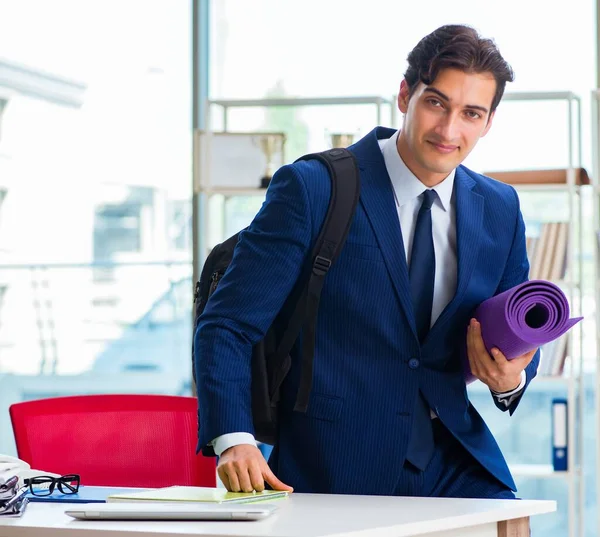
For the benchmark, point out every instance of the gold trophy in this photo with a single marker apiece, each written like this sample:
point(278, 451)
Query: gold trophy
point(271, 145)
point(342, 139)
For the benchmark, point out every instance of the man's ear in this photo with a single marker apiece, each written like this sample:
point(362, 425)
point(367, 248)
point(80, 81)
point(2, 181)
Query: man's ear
point(403, 97)
point(489, 124)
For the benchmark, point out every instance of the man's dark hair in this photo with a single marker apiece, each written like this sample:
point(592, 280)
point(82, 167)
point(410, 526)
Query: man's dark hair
point(459, 47)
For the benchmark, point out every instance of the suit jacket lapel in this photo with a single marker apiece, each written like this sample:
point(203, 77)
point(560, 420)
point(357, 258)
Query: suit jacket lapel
point(469, 218)
point(377, 199)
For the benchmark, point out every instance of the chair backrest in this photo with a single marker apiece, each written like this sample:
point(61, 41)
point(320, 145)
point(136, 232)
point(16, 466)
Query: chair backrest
point(114, 440)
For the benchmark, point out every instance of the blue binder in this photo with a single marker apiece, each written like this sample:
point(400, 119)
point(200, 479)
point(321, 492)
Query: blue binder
point(560, 434)
point(84, 495)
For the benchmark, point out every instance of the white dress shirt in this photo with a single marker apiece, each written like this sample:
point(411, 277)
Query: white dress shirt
point(408, 191)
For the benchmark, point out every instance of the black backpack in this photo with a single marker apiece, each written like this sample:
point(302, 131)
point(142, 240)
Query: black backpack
point(271, 359)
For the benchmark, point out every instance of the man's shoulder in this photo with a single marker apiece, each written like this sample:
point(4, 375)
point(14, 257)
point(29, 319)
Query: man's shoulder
point(490, 187)
point(305, 183)
point(310, 170)
point(314, 175)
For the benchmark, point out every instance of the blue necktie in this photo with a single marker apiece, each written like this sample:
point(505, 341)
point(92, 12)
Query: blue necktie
point(422, 267)
point(422, 276)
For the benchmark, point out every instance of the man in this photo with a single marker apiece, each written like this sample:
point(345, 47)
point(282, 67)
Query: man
point(430, 240)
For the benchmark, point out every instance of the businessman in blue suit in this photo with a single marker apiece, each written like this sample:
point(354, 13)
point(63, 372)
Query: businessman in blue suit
point(389, 411)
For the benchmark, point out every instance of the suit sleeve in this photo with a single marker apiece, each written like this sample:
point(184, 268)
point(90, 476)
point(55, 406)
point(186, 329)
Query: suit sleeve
point(516, 272)
point(266, 264)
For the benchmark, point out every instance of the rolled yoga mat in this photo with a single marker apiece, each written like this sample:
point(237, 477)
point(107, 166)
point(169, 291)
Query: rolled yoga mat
point(523, 318)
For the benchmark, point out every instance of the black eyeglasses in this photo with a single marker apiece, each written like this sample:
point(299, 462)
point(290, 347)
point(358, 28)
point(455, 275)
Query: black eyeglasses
point(44, 485)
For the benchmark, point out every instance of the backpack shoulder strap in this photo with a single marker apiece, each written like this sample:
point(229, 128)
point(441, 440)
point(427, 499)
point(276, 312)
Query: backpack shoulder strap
point(345, 191)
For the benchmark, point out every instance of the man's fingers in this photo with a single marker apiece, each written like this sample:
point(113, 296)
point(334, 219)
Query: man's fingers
point(275, 483)
point(234, 482)
point(469, 337)
point(472, 362)
point(522, 362)
point(478, 344)
point(224, 479)
point(518, 363)
point(499, 358)
point(243, 474)
point(478, 366)
point(242, 468)
point(256, 477)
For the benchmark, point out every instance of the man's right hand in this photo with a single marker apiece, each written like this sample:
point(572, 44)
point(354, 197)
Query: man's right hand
point(243, 468)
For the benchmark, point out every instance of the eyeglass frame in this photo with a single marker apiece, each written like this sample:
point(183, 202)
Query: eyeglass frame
point(55, 482)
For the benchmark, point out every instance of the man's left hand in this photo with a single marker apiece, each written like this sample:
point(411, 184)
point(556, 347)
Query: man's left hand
point(500, 375)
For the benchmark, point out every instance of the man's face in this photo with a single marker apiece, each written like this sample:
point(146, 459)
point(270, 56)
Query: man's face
point(444, 121)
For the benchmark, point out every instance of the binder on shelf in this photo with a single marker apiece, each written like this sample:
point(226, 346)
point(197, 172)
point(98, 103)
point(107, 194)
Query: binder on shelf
point(560, 435)
point(553, 357)
point(547, 252)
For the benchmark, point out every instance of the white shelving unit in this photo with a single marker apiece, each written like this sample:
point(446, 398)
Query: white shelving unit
point(375, 100)
point(573, 287)
point(202, 185)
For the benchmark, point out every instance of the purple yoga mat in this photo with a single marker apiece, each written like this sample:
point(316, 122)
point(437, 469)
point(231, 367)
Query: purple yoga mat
point(523, 318)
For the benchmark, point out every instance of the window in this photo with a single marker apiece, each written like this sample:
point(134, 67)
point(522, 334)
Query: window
point(117, 229)
point(3, 289)
point(179, 230)
point(99, 128)
point(3, 103)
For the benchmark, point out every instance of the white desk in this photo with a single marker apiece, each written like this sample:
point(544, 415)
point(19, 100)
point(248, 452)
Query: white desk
point(311, 515)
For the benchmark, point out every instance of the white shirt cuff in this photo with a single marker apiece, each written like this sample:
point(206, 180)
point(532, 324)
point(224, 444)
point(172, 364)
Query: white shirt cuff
point(508, 397)
point(225, 441)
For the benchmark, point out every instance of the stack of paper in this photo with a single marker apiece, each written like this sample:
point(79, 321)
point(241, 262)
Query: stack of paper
point(11, 466)
point(13, 472)
point(8, 470)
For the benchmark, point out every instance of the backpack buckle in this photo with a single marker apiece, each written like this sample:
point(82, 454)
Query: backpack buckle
point(321, 265)
point(337, 153)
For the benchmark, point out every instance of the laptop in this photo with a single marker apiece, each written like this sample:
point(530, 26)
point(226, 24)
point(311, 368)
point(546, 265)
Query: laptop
point(170, 511)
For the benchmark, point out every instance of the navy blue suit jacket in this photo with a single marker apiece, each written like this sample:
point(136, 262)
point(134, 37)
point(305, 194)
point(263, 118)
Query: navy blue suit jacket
point(354, 436)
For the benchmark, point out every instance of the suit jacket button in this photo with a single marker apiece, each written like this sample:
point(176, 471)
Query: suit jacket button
point(413, 363)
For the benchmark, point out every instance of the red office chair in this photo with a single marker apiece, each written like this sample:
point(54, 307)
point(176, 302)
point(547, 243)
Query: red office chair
point(114, 440)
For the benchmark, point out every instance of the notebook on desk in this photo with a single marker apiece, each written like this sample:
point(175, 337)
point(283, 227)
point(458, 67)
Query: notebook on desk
point(195, 494)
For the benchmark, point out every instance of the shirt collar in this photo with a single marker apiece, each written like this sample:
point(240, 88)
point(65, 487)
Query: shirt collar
point(406, 185)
